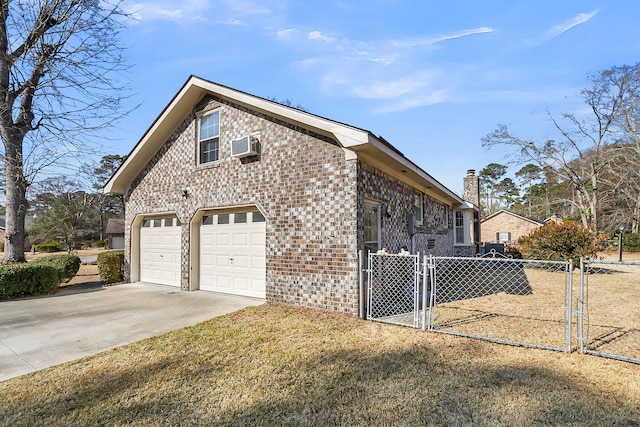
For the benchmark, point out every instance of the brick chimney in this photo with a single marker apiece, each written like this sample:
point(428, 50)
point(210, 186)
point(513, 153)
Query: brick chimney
point(472, 188)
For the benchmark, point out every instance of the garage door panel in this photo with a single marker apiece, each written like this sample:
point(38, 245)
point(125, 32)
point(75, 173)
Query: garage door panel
point(240, 239)
point(222, 239)
point(160, 253)
point(222, 261)
point(240, 261)
point(258, 262)
point(232, 256)
point(240, 284)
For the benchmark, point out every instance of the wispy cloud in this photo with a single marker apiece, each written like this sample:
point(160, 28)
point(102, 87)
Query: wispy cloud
point(411, 102)
point(562, 27)
point(286, 33)
point(247, 7)
point(167, 11)
point(565, 26)
point(391, 72)
point(392, 88)
point(237, 22)
point(318, 35)
point(432, 40)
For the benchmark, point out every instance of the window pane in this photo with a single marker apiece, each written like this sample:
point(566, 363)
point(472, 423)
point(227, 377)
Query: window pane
point(459, 219)
point(157, 223)
point(240, 218)
point(209, 151)
point(207, 220)
point(146, 223)
point(223, 219)
point(168, 222)
point(370, 224)
point(210, 126)
point(258, 217)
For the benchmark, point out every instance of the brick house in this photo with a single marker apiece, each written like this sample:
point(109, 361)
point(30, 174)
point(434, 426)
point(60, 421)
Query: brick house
point(234, 193)
point(507, 227)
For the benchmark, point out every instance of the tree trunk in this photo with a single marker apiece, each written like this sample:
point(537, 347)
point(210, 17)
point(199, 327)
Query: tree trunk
point(594, 200)
point(16, 189)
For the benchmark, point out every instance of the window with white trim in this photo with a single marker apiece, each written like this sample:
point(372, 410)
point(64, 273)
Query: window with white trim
point(209, 137)
point(459, 227)
point(503, 236)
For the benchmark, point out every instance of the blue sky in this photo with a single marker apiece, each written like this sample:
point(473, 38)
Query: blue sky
point(430, 77)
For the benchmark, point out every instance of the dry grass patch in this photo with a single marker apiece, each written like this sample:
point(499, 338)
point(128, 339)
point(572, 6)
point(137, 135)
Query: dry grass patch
point(275, 365)
point(613, 309)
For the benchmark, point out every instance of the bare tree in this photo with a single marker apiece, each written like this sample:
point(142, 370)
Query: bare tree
point(60, 64)
point(584, 148)
point(624, 173)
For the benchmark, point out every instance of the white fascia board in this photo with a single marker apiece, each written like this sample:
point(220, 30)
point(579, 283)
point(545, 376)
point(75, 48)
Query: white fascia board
point(347, 136)
point(410, 166)
point(466, 205)
point(153, 139)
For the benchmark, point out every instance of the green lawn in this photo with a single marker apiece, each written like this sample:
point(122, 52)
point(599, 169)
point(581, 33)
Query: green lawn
point(276, 365)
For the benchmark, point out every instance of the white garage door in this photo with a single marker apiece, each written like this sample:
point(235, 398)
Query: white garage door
point(232, 253)
point(160, 251)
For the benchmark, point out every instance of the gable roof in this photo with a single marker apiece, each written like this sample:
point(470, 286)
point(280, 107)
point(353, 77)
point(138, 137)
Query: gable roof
point(524, 218)
point(115, 226)
point(373, 150)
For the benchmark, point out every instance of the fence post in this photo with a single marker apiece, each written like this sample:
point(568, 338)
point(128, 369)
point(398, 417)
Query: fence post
point(425, 284)
point(581, 337)
point(569, 309)
point(362, 303)
point(432, 296)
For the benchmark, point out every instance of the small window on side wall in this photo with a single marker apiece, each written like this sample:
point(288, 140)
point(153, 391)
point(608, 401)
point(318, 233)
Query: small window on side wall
point(209, 137)
point(459, 228)
point(417, 207)
point(503, 237)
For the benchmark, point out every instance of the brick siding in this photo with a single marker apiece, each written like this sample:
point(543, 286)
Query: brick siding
point(433, 237)
point(311, 196)
point(300, 181)
point(504, 222)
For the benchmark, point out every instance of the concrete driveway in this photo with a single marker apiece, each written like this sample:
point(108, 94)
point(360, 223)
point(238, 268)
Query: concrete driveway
point(39, 332)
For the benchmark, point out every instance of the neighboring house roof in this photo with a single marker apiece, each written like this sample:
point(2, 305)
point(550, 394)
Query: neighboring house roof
point(373, 150)
point(524, 218)
point(115, 226)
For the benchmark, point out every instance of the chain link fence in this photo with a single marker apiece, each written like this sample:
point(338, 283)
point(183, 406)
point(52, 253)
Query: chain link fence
point(511, 301)
point(519, 302)
point(609, 309)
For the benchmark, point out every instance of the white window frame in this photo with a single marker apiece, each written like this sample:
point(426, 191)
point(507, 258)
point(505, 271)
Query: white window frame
point(504, 236)
point(457, 228)
point(211, 139)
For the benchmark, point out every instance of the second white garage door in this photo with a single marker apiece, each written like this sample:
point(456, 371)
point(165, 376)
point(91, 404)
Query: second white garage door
point(232, 253)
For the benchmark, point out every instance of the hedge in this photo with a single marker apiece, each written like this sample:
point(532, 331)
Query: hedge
point(67, 265)
point(48, 247)
point(27, 279)
point(111, 266)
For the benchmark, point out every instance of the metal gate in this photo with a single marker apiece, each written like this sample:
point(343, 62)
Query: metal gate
point(499, 299)
point(393, 289)
point(609, 309)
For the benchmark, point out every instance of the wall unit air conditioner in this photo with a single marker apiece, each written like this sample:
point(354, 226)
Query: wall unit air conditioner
point(245, 146)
